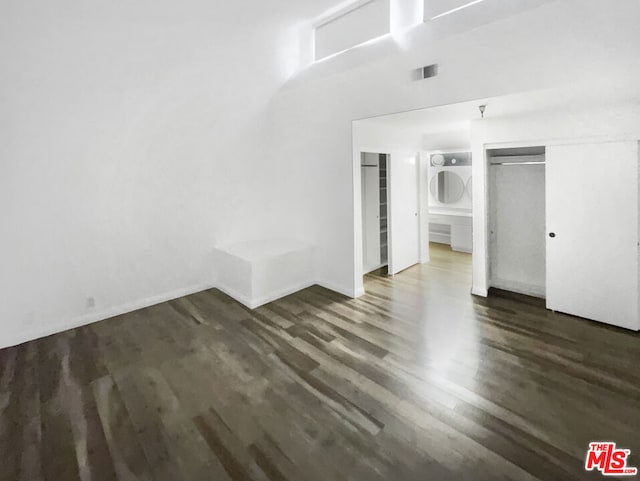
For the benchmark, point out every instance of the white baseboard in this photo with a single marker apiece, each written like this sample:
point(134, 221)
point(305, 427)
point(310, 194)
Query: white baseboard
point(275, 295)
point(253, 303)
point(92, 317)
point(349, 292)
point(242, 299)
point(440, 238)
point(480, 291)
point(519, 287)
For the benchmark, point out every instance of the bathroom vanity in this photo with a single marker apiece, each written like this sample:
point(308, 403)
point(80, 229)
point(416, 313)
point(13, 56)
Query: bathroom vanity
point(450, 204)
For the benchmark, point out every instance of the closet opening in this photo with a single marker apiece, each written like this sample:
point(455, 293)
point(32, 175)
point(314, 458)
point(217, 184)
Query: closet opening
point(517, 229)
point(375, 213)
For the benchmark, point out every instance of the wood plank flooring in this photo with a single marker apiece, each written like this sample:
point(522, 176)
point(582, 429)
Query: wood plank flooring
point(417, 380)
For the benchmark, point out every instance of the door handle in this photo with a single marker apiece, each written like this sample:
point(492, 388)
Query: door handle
point(552, 234)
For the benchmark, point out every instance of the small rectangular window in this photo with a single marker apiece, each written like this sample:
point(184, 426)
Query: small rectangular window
point(437, 8)
point(363, 21)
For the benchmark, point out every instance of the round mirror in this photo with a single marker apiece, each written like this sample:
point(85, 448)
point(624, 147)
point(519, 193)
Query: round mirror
point(470, 187)
point(447, 187)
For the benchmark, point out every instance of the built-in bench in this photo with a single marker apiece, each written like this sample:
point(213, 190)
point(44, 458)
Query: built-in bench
point(257, 272)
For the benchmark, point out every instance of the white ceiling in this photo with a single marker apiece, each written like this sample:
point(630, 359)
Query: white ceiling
point(457, 116)
point(302, 9)
point(226, 15)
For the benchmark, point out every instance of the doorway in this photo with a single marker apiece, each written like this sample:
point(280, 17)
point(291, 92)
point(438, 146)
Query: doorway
point(421, 194)
point(517, 219)
point(375, 213)
point(390, 211)
point(450, 184)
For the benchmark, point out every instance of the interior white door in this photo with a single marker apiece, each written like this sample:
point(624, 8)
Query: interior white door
point(592, 231)
point(404, 232)
point(370, 217)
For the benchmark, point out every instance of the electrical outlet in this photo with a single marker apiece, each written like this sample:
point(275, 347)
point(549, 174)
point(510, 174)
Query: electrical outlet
point(90, 303)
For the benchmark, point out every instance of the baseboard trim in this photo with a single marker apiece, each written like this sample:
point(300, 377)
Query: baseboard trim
point(519, 287)
point(440, 238)
point(480, 291)
point(93, 317)
point(235, 295)
point(105, 314)
point(350, 292)
point(274, 296)
point(252, 303)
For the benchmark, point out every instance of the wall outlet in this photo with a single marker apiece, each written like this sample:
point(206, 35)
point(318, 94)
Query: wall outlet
point(90, 303)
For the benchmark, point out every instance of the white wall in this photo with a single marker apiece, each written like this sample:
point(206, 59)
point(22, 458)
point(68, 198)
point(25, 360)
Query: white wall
point(540, 44)
point(134, 137)
point(448, 140)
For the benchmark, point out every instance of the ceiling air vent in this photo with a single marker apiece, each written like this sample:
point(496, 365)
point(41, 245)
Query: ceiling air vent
point(429, 71)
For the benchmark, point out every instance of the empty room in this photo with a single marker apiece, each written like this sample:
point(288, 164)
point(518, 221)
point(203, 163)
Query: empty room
point(319, 240)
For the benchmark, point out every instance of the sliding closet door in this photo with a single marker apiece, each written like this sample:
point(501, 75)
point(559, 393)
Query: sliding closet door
point(403, 202)
point(592, 231)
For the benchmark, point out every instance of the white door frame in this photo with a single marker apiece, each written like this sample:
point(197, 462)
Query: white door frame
point(357, 217)
point(363, 170)
point(357, 214)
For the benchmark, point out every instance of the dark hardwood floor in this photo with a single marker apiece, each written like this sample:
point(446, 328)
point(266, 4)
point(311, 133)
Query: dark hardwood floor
point(417, 380)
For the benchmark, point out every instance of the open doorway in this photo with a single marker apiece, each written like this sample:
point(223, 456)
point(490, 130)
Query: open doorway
point(427, 190)
point(450, 184)
point(390, 222)
point(404, 210)
point(375, 213)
